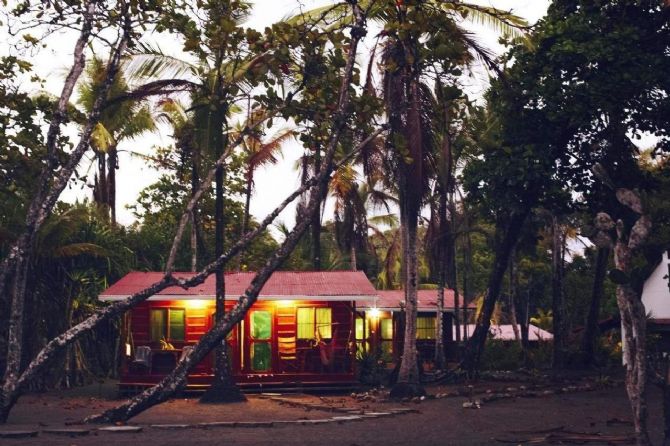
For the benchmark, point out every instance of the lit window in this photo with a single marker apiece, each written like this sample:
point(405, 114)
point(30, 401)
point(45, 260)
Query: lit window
point(168, 324)
point(425, 327)
point(386, 335)
point(315, 323)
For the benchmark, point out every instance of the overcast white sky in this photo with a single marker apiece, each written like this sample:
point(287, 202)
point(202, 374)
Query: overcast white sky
point(273, 183)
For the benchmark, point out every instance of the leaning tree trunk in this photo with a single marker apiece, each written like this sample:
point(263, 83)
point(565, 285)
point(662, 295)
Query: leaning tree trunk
point(49, 188)
point(506, 237)
point(591, 329)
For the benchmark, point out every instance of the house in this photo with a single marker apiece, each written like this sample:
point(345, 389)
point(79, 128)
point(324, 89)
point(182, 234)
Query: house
point(379, 323)
point(505, 332)
point(656, 299)
point(300, 330)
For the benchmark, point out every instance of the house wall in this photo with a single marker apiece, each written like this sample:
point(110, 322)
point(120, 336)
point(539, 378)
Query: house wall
point(199, 318)
point(656, 291)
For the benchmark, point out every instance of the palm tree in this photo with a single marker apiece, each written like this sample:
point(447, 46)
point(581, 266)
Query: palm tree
point(408, 104)
point(213, 83)
point(258, 151)
point(120, 121)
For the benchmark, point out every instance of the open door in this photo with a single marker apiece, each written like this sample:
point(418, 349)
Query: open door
point(259, 341)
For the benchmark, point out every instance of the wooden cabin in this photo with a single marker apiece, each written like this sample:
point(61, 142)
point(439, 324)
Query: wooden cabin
point(380, 324)
point(300, 332)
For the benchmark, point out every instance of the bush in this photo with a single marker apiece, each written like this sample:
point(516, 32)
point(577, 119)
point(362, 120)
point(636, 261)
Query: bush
point(499, 355)
point(371, 367)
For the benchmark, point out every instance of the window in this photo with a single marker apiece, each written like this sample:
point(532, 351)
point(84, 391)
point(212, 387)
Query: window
point(425, 327)
point(315, 323)
point(362, 332)
point(386, 335)
point(167, 323)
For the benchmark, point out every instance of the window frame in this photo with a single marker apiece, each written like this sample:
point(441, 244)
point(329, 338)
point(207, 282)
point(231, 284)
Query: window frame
point(314, 322)
point(426, 333)
point(168, 328)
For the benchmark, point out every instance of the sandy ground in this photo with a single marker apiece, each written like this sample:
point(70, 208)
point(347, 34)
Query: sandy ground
point(439, 421)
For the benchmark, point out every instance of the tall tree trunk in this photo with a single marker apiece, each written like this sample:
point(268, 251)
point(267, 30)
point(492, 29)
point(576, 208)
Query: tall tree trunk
point(352, 258)
point(557, 301)
point(507, 234)
point(100, 190)
point(408, 375)
point(195, 184)
point(223, 388)
point(316, 220)
point(512, 297)
point(246, 215)
point(444, 234)
point(633, 316)
point(411, 184)
point(452, 277)
point(591, 330)
point(112, 166)
point(634, 333)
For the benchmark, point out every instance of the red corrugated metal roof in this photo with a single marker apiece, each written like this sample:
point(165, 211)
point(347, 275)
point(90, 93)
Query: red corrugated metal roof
point(427, 300)
point(281, 284)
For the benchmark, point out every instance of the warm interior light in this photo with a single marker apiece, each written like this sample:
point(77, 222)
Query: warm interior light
point(196, 304)
point(374, 313)
point(284, 303)
point(128, 350)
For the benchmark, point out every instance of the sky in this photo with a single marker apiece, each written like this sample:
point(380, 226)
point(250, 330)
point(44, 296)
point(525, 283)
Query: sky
point(273, 183)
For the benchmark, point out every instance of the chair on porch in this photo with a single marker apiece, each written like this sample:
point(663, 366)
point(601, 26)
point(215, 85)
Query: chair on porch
point(142, 360)
point(288, 356)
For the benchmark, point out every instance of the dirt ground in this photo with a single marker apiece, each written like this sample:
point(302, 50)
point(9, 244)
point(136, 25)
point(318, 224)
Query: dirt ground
point(441, 421)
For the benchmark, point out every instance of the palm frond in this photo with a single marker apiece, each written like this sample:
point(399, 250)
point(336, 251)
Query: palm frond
point(78, 249)
point(497, 20)
point(149, 61)
point(140, 122)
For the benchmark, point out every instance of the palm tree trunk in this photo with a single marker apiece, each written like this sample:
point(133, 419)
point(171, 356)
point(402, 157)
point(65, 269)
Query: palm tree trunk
point(223, 387)
point(246, 215)
point(442, 273)
point(316, 220)
point(352, 258)
point(112, 165)
point(408, 375)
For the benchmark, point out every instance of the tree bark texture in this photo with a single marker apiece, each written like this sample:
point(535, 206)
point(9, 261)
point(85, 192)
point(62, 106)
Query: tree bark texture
point(634, 328)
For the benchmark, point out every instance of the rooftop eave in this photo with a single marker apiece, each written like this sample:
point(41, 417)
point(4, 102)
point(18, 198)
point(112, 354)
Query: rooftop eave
point(171, 297)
